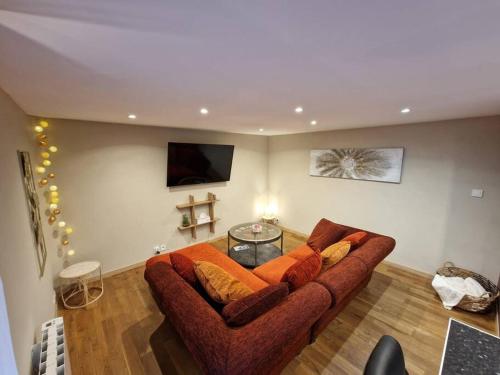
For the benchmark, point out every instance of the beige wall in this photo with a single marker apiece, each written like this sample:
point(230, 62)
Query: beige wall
point(431, 213)
point(112, 180)
point(29, 298)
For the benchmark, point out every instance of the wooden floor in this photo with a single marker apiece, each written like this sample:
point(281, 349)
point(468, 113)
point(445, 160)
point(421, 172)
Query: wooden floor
point(124, 332)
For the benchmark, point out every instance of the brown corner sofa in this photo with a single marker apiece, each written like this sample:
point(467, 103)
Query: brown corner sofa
point(269, 342)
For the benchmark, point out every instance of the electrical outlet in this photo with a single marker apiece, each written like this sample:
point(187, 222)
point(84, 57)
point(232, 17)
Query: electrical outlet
point(163, 247)
point(156, 249)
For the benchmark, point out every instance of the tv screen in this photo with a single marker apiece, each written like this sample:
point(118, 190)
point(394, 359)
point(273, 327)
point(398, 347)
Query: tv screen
point(190, 163)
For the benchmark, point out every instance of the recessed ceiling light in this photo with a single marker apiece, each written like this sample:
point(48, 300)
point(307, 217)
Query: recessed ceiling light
point(261, 130)
point(204, 111)
point(299, 110)
point(314, 122)
point(405, 110)
point(132, 116)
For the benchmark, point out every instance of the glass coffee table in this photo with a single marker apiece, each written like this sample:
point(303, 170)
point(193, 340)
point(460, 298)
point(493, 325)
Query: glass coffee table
point(254, 249)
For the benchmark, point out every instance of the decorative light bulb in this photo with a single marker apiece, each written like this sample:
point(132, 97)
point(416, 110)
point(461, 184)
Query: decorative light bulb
point(69, 230)
point(61, 224)
point(45, 155)
point(44, 124)
point(47, 163)
point(71, 252)
point(43, 182)
point(54, 194)
point(53, 206)
point(40, 169)
point(53, 188)
point(65, 242)
point(51, 175)
point(53, 149)
point(38, 129)
point(54, 200)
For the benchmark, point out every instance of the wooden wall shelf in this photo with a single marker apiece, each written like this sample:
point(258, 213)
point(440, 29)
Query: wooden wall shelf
point(191, 206)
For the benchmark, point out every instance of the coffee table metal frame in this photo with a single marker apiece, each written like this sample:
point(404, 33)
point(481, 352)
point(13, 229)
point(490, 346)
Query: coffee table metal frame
point(256, 242)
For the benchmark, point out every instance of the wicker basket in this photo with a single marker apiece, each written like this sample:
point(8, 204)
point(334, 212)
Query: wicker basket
point(469, 303)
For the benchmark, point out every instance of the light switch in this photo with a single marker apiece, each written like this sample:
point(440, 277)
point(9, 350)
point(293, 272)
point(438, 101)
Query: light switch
point(477, 193)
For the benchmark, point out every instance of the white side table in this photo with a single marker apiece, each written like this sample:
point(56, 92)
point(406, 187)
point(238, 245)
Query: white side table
point(81, 273)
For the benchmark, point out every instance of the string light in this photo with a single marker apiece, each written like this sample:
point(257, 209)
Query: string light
point(52, 189)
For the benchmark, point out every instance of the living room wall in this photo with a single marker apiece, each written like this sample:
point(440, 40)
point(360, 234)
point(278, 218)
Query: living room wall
point(29, 298)
point(431, 213)
point(112, 179)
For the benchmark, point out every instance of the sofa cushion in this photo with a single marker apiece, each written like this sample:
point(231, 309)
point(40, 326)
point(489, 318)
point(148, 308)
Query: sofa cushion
point(343, 277)
point(207, 252)
point(301, 252)
point(356, 239)
point(184, 267)
point(334, 253)
point(220, 285)
point(324, 234)
point(303, 271)
point(272, 272)
point(246, 309)
point(374, 250)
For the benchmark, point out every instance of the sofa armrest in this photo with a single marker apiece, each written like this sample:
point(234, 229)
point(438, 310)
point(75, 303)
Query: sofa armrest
point(202, 329)
point(373, 251)
point(264, 338)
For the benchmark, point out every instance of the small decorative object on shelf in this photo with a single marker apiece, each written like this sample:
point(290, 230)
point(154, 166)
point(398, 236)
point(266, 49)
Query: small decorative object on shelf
point(185, 220)
point(256, 228)
point(202, 220)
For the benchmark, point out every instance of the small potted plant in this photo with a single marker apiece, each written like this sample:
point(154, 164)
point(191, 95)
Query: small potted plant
point(185, 220)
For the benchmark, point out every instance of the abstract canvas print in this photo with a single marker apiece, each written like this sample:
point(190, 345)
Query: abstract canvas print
point(371, 164)
point(33, 209)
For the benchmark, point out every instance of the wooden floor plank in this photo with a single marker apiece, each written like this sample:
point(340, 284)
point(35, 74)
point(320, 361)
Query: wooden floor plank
point(124, 332)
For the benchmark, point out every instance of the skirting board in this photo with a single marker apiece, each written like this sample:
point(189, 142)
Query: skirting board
point(142, 263)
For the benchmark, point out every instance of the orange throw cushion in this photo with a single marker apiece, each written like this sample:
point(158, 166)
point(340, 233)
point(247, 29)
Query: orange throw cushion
point(301, 252)
point(334, 253)
point(184, 267)
point(356, 239)
point(303, 271)
point(272, 272)
point(324, 234)
point(220, 285)
point(245, 310)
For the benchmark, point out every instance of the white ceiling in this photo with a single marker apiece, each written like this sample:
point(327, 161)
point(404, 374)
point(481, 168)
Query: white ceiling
point(348, 63)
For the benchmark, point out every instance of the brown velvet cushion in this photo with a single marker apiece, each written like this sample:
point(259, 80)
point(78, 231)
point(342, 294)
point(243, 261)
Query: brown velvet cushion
point(324, 234)
point(184, 267)
point(334, 254)
point(220, 285)
point(356, 239)
point(303, 271)
point(245, 310)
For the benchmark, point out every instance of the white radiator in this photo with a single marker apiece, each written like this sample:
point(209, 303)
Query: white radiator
point(54, 356)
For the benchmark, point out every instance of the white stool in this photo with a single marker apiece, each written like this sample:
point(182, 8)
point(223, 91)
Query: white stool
point(82, 273)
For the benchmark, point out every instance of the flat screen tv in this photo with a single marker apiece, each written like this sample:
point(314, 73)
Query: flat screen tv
point(190, 163)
